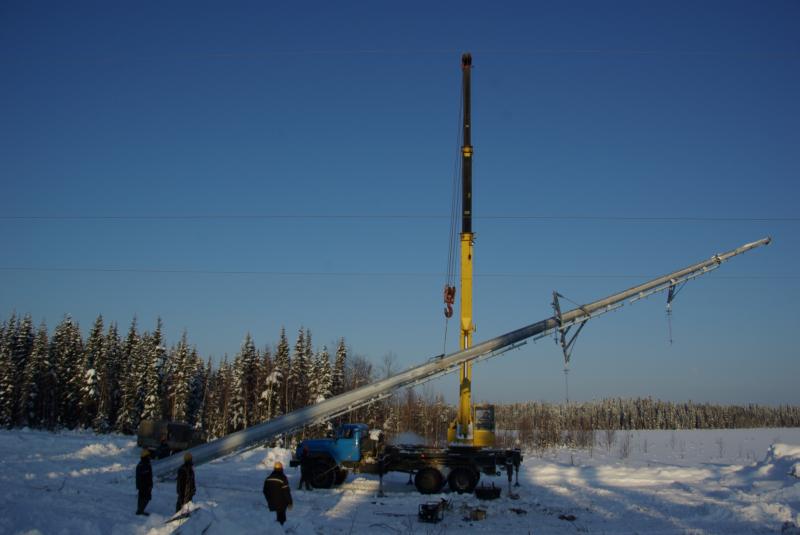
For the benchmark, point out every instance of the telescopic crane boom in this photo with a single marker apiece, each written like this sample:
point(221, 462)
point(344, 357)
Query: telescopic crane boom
point(462, 430)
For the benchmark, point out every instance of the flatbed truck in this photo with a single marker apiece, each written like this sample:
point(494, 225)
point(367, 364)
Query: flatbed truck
point(355, 448)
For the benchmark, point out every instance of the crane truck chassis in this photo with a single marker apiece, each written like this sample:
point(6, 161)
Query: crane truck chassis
point(355, 448)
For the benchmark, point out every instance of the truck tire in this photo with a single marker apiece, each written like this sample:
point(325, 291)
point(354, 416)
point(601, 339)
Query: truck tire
point(323, 473)
point(429, 480)
point(341, 475)
point(463, 480)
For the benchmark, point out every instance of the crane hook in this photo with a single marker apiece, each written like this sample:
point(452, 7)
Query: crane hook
point(449, 300)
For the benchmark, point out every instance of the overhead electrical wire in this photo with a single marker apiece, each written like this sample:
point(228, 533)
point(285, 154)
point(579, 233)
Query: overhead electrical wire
point(512, 217)
point(410, 52)
point(364, 273)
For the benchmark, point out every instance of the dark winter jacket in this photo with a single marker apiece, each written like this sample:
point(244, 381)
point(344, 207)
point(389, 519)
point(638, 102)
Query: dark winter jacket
point(276, 491)
point(305, 463)
point(185, 487)
point(144, 476)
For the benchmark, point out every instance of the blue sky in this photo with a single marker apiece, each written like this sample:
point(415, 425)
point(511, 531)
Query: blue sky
point(135, 138)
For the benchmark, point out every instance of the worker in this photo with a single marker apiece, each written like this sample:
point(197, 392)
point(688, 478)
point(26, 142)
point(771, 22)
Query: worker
point(305, 469)
point(144, 482)
point(185, 486)
point(162, 452)
point(277, 493)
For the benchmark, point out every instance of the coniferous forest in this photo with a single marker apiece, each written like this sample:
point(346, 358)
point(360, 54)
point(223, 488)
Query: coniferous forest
point(110, 381)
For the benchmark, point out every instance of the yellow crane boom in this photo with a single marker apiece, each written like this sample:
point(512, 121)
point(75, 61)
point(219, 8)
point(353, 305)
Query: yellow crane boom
point(463, 429)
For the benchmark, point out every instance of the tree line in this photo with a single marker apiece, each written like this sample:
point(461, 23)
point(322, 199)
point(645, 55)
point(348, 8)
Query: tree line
point(110, 383)
point(541, 424)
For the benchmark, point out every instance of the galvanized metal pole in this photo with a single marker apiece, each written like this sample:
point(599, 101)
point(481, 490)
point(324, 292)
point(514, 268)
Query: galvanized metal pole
point(348, 401)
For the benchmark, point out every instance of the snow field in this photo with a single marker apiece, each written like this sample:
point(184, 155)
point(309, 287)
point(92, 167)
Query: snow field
point(716, 481)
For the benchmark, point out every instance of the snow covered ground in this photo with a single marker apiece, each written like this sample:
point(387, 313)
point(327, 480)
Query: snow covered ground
point(740, 481)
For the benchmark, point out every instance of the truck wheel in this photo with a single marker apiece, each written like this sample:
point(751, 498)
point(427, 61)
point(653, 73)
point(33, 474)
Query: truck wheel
point(341, 475)
point(323, 474)
point(463, 480)
point(429, 481)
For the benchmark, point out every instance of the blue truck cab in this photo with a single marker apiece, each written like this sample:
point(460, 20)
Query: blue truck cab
point(330, 458)
point(344, 447)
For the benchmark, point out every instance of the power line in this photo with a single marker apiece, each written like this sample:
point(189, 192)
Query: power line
point(366, 273)
point(395, 216)
point(262, 55)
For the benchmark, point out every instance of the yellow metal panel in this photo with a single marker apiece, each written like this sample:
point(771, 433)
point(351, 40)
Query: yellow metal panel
point(461, 430)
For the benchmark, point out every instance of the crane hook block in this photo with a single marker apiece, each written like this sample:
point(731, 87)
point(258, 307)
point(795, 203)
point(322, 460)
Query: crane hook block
point(449, 300)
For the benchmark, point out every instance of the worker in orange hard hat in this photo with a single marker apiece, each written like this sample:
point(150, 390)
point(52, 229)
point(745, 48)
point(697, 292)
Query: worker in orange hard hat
point(277, 493)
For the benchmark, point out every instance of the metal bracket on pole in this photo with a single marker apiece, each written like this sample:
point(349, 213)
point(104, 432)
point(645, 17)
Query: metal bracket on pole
point(563, 329)
point(562, 332)
point(673, 282)
point(674, 287)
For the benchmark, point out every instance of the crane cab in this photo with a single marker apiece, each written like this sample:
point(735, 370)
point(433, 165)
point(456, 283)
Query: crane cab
point(483, 434)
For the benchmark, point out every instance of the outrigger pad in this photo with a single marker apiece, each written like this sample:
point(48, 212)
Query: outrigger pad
point(432, 512)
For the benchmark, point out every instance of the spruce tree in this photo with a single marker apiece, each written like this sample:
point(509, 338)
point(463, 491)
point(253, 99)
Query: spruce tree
point(159, 353)
point(22, 347)
point(67, 352)
point(268, 389)
point(131, 382)
point(311, 383)
point(34, 393)
point(211, 402)
point(180, 377)
point(282, 367)
point(197, 389)
point(339, 367)
point(299, 372)
point(238, 411)
point(111, 379)
point(154, 357)
point(319, 384)
point(248, 380)
point(92, 368)
point(224, 399)
point(7, 374)
point(324, 376)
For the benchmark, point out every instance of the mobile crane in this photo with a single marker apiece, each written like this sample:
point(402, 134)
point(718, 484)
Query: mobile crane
point(463, 429)
point(470, 452)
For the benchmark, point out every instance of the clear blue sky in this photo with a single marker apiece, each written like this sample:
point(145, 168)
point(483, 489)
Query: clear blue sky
point(121, 123)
